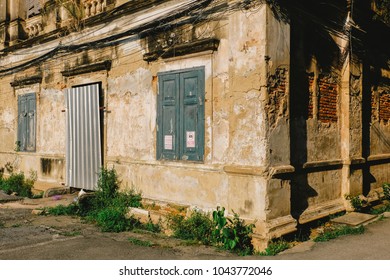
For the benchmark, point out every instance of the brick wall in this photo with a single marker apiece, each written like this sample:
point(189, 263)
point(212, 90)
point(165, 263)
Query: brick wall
point(328, 93)
point(310, 78)
point(384, 107)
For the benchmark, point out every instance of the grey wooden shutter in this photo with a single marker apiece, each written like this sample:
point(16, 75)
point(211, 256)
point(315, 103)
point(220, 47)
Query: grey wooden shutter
point(30, 122)
point(192, 115)
point(83, 143)
point(167, 144)
point(22, 122)
point(27, 122)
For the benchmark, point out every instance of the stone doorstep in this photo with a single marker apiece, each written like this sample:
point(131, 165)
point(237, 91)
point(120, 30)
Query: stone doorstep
point(355, 219)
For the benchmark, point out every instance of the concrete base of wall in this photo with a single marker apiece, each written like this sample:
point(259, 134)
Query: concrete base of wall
point(322, 210)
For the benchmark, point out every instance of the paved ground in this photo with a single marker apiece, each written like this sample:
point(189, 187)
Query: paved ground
point(374, 244)
point(26, 236)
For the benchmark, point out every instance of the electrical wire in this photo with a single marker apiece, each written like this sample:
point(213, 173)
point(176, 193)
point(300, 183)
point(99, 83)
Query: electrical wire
point(105, 42)
point(212, 11)
point(100, 43)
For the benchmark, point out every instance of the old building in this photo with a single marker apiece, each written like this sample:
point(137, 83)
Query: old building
point(271, 109)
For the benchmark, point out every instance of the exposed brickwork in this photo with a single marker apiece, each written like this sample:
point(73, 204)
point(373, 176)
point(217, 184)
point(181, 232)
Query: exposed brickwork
point(374, 106)
point(278, 82)
point(328, 93)
point(310, 79)
point(277, 94)
point(384, 107)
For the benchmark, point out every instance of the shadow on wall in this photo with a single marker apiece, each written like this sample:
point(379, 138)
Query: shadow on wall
point(301, 191)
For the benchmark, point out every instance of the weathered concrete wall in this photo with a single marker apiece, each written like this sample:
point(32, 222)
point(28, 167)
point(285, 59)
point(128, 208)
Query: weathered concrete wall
point(8, 116)
point(48, 159)
point(239, 148)
point(235, 122)
point(283, 121)
point(380, 128)
point(379, 137)
point(315, 125)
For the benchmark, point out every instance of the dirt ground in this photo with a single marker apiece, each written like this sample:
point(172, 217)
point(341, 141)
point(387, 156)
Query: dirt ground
point(28, 236)
point(25, 235)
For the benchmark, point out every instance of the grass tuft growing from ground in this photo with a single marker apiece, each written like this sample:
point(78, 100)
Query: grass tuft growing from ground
point(138, 242)
point(107, 207)
point(338, 231)
point(275, 247)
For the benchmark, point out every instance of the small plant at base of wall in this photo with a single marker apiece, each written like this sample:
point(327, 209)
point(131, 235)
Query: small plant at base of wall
point(275, 247)
point(18, 184)
point(386, 191)
point(231, 234)
point(335, 232)
point(357, 203)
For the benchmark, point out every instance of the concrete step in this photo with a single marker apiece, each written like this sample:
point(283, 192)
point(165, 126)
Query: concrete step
point(354, 219)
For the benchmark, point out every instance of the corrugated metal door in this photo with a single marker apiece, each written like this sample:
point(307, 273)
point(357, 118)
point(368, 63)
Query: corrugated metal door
point(83, 143)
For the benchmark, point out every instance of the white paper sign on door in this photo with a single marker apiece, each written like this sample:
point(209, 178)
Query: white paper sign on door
point(190, 143)
point(168, 142)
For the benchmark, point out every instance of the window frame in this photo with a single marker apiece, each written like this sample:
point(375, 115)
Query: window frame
point(186, 113)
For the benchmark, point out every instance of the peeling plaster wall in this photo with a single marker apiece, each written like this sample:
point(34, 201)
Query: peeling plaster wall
point(8, 116)
point(50, 114)
point(8, 124)
point(247, 138)
point(236, 116)
point(379, 136)
point(235, 123)
point(132, 116)
point(315, 126)
point(380, 118)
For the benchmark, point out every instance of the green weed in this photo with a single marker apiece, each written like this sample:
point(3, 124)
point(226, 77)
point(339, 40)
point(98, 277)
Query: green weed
point(17, 183)
point(107, 207)
point(380, 210)
point(107, 187)
point(152, 227)
point(333, 233)
point(113, 219)
point(386, 191)
point(62, 210)
point(275, 247)
point(232, 234)
point(139, 242)
point(356, 202)
point(197, 226)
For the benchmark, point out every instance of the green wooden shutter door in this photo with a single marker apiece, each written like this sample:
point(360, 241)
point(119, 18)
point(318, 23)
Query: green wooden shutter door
point(167, 144)
point(30, 122)
point(180, 115)
point(22, 122)
point(192, 115)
